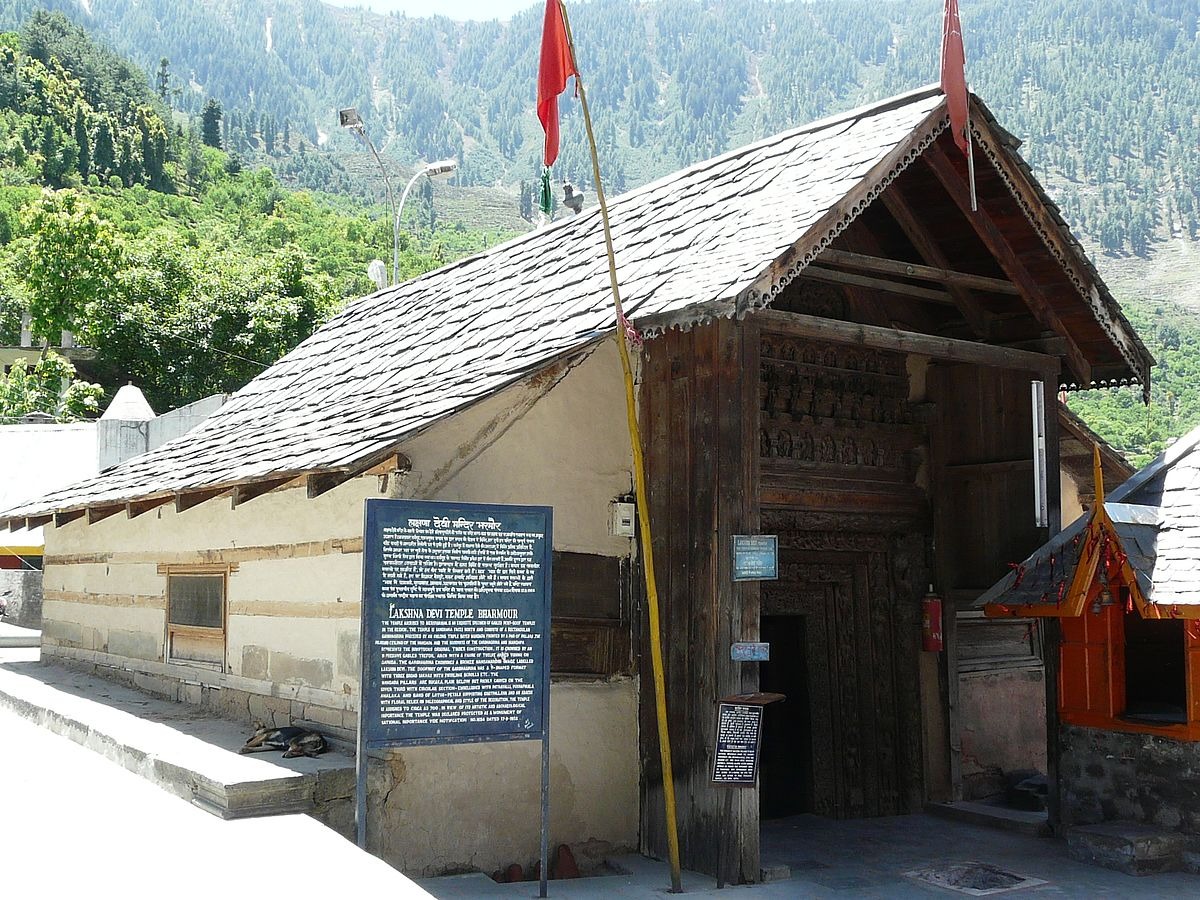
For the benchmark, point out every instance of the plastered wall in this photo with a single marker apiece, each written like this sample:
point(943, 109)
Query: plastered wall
point(293, 606)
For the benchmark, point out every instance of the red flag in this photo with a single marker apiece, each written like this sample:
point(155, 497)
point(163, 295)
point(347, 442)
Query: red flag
point(954, 74)
point(554, 69)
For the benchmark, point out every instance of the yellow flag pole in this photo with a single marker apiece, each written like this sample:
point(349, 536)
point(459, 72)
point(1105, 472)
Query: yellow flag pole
point(643, 504)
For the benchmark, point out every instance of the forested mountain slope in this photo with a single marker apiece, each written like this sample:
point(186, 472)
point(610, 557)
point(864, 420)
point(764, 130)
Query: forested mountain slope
point(1103, 91)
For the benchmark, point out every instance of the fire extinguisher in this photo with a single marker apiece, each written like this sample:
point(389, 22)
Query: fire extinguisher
point(931, 622)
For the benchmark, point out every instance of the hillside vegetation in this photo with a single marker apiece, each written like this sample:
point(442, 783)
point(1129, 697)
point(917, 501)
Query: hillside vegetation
point(1103, 92)
point(186, 270)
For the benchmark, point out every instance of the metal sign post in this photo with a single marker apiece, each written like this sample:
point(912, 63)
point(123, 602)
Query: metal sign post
point(455, 636)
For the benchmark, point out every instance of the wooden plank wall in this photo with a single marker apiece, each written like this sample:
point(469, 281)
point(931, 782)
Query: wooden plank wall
point(984, 436)
point(981, 448)
point(700, 421)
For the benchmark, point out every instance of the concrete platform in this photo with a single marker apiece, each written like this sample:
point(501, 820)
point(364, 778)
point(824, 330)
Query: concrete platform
point(182, 749)
point(16, 636)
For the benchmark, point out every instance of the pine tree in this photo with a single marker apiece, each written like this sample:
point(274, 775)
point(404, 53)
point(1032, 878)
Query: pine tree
point(104, 157)
point(163, 81)
point(127, 161)
point(81, 138)
point(526, 201)
point(210, 120)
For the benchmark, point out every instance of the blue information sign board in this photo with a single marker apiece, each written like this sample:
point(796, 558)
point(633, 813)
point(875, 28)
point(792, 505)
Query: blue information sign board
point(755, 557)
point(456, 622)
point(455, 632)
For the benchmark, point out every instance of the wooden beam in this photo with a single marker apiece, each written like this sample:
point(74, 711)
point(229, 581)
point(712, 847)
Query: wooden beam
point(861, 238)
point(980, 320)
point(929, 345)
point(96, 513)
point(833, 276)
point(1052, 345)
point(38, 521)
point(997, 244)
point(244, 493)
point(70, 515)
point(135, 508)
point(187, 499)
point(846, 259)
point(322, 482)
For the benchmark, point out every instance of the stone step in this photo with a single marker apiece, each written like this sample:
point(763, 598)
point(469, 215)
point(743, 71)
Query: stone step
point(1128, 847)
point(181, 748)
point(1020, 821)
point(16, 636)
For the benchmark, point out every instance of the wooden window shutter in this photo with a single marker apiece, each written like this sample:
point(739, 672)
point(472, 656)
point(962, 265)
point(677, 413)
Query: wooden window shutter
point(1088, 680)
point(1191, 639)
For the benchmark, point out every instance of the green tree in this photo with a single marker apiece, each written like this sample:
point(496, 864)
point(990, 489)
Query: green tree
point(71, 258)
point(48, 386)
point(127, 161)
point(104, 159)
point(210, 120)
point(154, 146)
point(84, 164)
point(162, 81)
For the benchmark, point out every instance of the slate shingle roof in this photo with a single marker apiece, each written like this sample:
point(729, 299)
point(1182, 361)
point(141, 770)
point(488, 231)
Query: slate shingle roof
point(701, 243)
point(1156, 514)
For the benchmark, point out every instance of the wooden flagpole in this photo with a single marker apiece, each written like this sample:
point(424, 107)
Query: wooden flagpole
point(643, 504)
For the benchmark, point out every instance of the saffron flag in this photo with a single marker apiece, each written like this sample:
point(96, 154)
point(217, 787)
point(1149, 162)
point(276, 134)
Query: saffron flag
point(555, 68)
point(954, 74)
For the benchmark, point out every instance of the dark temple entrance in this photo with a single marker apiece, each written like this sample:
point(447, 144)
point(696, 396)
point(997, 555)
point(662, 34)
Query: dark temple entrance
point(786, 770)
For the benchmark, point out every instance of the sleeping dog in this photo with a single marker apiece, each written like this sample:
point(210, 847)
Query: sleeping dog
point(291, 740)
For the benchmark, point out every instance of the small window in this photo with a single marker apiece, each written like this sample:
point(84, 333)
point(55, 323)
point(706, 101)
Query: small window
point(196, 618)
point(1155, 670)
point(590, 619)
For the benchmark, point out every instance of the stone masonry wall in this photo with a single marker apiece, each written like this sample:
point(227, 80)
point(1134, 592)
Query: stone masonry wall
point(1108, 775)
point(21, 597)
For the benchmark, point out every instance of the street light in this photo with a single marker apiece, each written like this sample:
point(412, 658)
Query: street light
point(349, 119)
point(430, 170)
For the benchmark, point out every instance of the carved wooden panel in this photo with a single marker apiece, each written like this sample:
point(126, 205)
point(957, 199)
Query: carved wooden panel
point(837, 409)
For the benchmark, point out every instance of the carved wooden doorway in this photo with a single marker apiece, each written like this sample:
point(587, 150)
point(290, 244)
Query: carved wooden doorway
point(843, 618)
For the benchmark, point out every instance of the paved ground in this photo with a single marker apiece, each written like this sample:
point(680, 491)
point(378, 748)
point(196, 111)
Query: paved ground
point(15, 636)
point(73, 822)
point(862, 859)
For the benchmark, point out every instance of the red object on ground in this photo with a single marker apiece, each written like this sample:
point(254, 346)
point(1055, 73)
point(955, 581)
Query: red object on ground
point(564, 865)
point(555, 68)
point(954, 74)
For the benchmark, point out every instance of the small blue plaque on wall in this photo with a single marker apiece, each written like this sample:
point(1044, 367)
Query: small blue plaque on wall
point(749, 651)
point(755, 557)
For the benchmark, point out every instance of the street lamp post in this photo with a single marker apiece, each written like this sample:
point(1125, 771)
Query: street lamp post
point(352, 122)
point(431, 170)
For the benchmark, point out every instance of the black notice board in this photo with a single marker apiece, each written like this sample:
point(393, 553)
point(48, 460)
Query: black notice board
point(739, 733)
point(456, 616)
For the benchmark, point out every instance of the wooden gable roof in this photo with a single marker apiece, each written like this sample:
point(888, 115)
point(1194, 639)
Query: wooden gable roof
point(720, 238)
